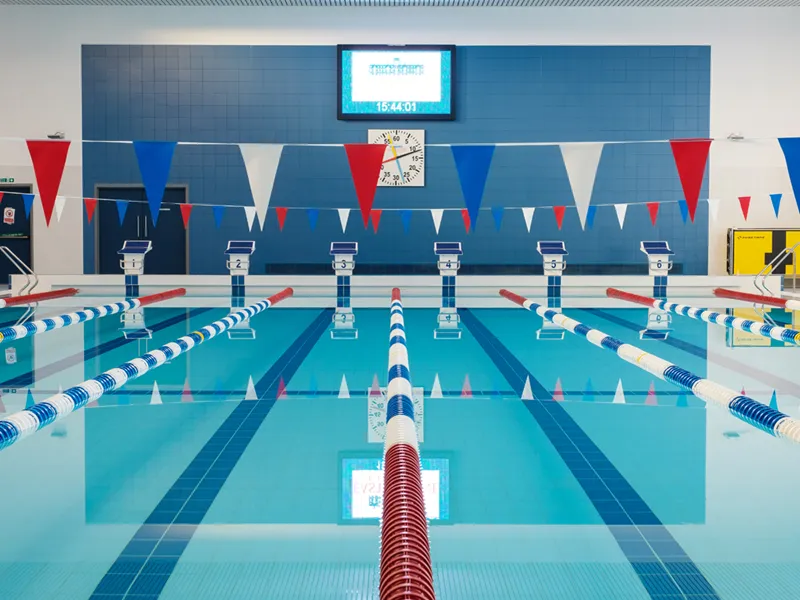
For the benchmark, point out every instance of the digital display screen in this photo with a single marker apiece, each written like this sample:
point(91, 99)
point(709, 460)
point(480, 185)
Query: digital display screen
point(362, 488)
point(396, 82)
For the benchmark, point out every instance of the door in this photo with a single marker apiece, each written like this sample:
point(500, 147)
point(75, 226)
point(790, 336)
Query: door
point(15, 229)
point(168, 256)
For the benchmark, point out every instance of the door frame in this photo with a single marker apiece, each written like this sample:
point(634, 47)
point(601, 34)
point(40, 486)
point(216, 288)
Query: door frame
point(97, 186)
point(24, 188)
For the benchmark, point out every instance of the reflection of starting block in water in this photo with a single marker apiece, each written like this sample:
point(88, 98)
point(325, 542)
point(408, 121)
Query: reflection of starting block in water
point(343, 265)
point(133, 326)
point(659, 264)
point(658, 325)
point(376, 415)
point(132, 263)
point(449, 262)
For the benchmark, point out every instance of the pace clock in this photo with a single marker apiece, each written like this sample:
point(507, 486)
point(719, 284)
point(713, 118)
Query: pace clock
point(404, 158)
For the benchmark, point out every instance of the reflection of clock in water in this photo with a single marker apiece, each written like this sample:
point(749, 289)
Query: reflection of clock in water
point(404, 159)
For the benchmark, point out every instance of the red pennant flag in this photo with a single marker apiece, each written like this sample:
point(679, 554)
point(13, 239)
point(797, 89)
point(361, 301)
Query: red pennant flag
point(653, 208)
point(466, 389)
point(1, 196)
point(375, 215)
point(375, 388)
point(559, 212)
point(744, 203)
point(365, 166)
point(49, 158)
point(467, 220)
point(558, 393)
point(743, 392)
point(186, 395)
point(690, 160)
point(651, 399)
point(186, 210)
point(281, 212)
point(91, 204)
point(282, 390)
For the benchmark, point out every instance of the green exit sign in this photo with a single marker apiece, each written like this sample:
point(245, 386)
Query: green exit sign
point(6, 180)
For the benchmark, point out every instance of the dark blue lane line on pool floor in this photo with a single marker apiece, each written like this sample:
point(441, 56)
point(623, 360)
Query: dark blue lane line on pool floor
point(29, 378)
point(663, 567)
point(145, 565)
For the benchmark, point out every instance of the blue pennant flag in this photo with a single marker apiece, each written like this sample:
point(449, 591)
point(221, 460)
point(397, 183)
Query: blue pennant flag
point(773, 402)
point(791, 152)
point(28, 200)
point(155, 160)
point(590, 212)
point(218, 395)
point(684, 209)
point(313, 215)
point(29, 400)
point(497, 213)
point(776, 202)
point(682, 402)
point(588, 394)
point(472, 164)
point(122, 208)
point(218, 212)
point(312, 385)
point(405, 216)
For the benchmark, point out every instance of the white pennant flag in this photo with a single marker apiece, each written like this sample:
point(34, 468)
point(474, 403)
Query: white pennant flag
point(527, 393)
point(344, 214)
point(621, 210)
point(344, 391)
point(436, 390)
point(527, 214)
point(250, 394)
point(261, 162)
point(619, 395)
point(713, 208)
point(60, 202)
point(250, 213)
point(156, 396)
point(581, 160)
point(436, 214)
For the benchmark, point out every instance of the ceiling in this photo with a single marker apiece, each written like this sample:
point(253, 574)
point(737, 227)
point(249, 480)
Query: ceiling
point(422, 3)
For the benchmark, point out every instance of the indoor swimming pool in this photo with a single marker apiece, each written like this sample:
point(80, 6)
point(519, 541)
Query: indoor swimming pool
point(250, 466)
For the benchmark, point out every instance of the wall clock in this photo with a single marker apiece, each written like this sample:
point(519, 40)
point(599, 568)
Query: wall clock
point(404, 159)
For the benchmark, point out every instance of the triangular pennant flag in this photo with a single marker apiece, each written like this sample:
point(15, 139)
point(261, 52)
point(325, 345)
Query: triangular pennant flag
point(155, 397)
point(344, 215)
point(155, 160)
point(558, 211)
point(122, 208)
point(250, 215)
point(261, 162)
point(713, 208)
point(59, 206)
point(588, 393)
point(684, 210)
point(186, 394)
point(29, 401)
point(48, 158)
point(219, 211)
point(466, 389)
point(527, 214)
point(651, 399)
point(91, 204)
point(652, 208)
point(472, 165)
point(791, 153)
point(186, 210)
point(218, 388)
point(344, 391)
point(436, 215)
point(773, 401)
point(581, 161)
point(1, 196)
point(682, 401)
point(776, 203)
point(280, 212)
point(365, 162)
point(436, 390)
point(2, 406)
point(590, 212)
point(312, 385)
point(375, 217)
point(690, 160)
point(527, 393)
point(558, 392)
point(405, 217)
point(27, 200)
point(744, 204)
point(250, 393)
point(465, 217)
point(619, 394)
point(313, 215)
point(60, 389)
point(497, 213)
point(281, 395)
point(375, 388)
point(621, 210)
point(743, 393)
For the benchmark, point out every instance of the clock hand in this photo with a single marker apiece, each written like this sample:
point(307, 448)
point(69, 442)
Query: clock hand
point(394, 151)
point(401, 156)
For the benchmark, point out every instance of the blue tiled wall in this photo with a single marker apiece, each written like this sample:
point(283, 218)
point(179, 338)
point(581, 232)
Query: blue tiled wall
point(288, 95)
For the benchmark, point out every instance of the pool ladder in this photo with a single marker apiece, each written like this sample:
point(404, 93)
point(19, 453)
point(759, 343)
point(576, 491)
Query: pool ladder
point(32, 280)
point(760, 280)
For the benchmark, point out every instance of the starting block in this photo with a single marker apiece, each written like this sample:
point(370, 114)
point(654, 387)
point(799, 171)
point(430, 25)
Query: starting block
point(343, 264)
point(659, 262)
point(449, 262)
point(132, 263)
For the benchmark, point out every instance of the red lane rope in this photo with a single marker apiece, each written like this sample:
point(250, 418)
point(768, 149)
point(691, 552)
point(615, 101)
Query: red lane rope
point(745, 297)
point(16, 300)
point(282, 295)
point(635, 298)
point(161, 296)
point(516, 298)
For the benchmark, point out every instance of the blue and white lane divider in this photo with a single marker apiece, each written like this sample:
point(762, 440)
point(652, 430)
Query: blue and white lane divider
point(16, 332)
point(782, 334)
point(26, 422)
point(743, 407)
point(400, 427)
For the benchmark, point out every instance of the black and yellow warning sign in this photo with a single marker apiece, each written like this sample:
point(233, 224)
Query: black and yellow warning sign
point(750, 250)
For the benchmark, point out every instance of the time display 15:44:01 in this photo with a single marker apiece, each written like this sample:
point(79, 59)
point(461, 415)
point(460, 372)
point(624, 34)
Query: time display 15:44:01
point(396, 107)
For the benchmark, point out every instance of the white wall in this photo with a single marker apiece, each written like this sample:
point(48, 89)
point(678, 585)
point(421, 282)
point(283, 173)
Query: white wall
point(754, 89)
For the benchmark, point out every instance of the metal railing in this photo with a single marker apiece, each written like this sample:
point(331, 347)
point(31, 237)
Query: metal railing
point(22, 267)
point(760, 280)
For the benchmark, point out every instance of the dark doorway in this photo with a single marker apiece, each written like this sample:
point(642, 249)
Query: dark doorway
point(168, 256)
point(15, 229)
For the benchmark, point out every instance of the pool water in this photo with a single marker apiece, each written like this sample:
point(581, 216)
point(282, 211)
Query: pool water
point(246, 468)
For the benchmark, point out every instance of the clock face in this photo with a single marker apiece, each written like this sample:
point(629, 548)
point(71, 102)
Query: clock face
point(404, 159)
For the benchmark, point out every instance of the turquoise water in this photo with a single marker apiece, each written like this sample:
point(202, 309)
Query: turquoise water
point(244, 475)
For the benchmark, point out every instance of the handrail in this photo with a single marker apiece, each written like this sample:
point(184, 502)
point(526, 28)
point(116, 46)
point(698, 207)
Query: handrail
point(770, 267)
point(22, 267)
